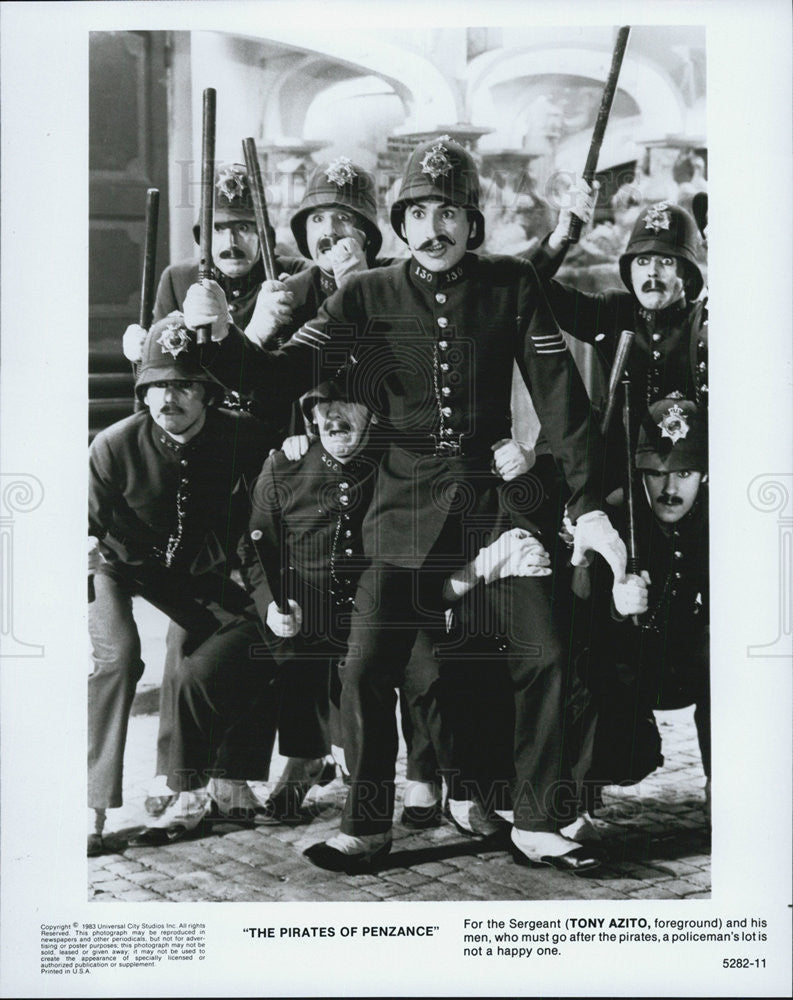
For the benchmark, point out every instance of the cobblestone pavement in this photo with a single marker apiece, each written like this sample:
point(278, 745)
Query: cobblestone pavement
point(656, 837)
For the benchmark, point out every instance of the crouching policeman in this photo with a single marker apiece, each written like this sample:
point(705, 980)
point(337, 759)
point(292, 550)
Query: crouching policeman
point(167, 501)
point(662, 660)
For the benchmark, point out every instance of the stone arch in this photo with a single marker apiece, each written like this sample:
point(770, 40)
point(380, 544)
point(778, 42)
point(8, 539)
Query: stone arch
point(660, 104)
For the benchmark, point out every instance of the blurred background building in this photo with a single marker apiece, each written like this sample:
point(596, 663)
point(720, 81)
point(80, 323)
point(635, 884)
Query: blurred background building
point(523, 99)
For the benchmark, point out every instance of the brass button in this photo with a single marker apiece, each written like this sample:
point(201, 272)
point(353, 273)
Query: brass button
point(256, 535)
point(443, 322)
point(443, 344)
point(440, 298)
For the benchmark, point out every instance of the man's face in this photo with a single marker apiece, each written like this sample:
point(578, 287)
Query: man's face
point(657, 280)
point(437, 233)
point(343, 427)
point(328, 224)
point(177, 407)
point(671, 494)
point(235, 246)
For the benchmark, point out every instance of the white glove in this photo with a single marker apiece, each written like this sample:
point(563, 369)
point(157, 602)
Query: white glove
point(515, 553)
point(205, 305)
point(348, 256)
point(284, 626)
point(295, 447)
point(630, 594)
point(132, 342)
point(95, 557)
point(511, 459)
point(578, 200)
point(593, 532)
point(273, 309)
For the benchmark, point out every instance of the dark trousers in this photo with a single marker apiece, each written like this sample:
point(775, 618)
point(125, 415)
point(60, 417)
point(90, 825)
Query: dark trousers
point(629, 678)
point(383, 632)
point(292, 699)
point(224, 709)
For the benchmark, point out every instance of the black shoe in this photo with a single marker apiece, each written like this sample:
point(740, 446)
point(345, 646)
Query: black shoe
point(152, 836)
point(331, 860)
point(96, 845)
point(421, 817)
point(579, 861)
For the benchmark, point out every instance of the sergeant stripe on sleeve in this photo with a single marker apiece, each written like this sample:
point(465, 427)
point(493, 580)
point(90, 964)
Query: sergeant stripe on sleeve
point(552, 343)
point(311, 337)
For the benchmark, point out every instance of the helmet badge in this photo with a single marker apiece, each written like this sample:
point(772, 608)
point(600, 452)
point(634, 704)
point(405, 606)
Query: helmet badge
point(657, 217)
point(674, 424)
point(436, 163)
point(174, 339)
point(341, 172)
point(231, 183)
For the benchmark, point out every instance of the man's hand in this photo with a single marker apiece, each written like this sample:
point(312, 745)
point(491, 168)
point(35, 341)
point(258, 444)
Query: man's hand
point(284, 626)
point(593, 532)
point(273, 310)
point(295, 447)
point(515, 553)
point(348, 256)
point(205, 305)
point(511, 459)
point(132, 342)
point(630, 594)
point(579, 200)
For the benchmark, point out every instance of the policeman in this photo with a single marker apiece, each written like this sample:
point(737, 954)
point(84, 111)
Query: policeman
point(166, 499)
point(435, 337)
point(663, 662)
point(335, 227)
point(236, 258)
point(663, 306)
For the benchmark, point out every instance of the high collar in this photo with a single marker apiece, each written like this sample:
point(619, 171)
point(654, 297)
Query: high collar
point(327, 282)
point(434, 280)
point(669, 316)
point(177, 450)
point(353, 468)
point(236, 288)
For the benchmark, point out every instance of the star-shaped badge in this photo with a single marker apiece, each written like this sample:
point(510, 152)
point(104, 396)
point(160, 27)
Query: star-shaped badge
point(674, 424)
point(436, 162)
point(657, 217)
point(174, 339)
point(341, 171)
point(232, 182)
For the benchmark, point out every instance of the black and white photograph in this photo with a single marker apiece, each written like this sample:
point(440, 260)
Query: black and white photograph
point(415, 483)
point(453, 673)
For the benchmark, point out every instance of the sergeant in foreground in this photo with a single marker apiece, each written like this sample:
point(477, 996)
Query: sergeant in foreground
point(167, 503)
point(435, 337)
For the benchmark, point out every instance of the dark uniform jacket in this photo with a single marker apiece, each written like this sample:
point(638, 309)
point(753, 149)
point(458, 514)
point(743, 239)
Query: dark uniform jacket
point(669, 351)
point(158, 504)
point(434, 355)
point(305, 539)
point(241, 292)
point(663, 663)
